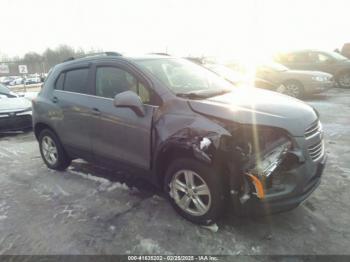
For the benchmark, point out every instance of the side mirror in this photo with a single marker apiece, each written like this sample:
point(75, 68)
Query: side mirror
point(131, 100)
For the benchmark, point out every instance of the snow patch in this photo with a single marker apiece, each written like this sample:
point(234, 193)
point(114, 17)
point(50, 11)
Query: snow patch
point(149, 246)
point(105, 184)
point(117, 185)
point(213, 227)
point(345, 170)
point(3, 155)
point(3, 210)
point(256, 249)
point(62, 191)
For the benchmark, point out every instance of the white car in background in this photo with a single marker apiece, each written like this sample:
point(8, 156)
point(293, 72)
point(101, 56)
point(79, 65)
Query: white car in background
point(32, 80)
point(17, 81)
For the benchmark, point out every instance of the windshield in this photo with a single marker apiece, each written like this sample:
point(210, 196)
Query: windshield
point(184, 77)
point(226, 72)
point(4, 90)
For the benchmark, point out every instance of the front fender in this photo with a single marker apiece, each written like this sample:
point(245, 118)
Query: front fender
point(195, 134)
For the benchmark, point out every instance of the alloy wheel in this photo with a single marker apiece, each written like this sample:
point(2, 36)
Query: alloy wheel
point(190, 192)
point(291, 89)
point(344, 80)
point(49, 150)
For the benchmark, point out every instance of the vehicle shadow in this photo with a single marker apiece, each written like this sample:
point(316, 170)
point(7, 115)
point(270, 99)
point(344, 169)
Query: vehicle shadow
point(114, 175)
point(12, 134)
point(316, 97)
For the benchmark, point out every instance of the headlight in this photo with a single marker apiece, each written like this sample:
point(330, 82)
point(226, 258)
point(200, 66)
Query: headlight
point(262, 149)
point(27, 111)
point(320, 78)
point(269, 161)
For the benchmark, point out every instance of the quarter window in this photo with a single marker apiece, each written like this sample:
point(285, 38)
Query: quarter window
point(59, 82)
point(111, 81)
point(77, 81)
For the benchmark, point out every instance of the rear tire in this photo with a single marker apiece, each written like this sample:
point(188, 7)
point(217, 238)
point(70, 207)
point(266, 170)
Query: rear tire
point(199, 199)
point(52, 151)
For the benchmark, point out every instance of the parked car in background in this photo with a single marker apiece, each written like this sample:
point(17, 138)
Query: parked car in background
point(239, 78)
point(32, 80)
point(295, 83)
point(17, 81)
point(15, 111)
point(315, 60)
point(276, 77)
point(189, 131)
point(5, 91)
point(345, 51)
point(7, 80)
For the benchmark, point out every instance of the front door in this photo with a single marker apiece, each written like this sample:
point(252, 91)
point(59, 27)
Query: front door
point(119, 134)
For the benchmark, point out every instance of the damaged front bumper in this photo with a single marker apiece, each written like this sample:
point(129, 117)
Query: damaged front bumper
point(298, 175)
point(297, 185)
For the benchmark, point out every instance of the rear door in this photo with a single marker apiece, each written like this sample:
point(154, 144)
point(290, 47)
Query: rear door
point(119, 134)
point(73, 100)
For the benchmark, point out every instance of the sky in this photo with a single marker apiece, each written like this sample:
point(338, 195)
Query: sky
point(180, 27)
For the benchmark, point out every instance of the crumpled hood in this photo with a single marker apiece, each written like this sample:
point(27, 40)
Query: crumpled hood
point(14, 104)
point(254, 105)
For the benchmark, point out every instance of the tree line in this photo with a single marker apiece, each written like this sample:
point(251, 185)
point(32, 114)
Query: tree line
point(41, 63)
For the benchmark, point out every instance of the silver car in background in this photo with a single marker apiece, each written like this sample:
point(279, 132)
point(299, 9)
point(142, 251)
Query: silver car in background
point(295, 83)
point(15, 111)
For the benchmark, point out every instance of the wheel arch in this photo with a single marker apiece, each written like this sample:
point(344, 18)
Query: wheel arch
point(164, 158)
point(340, 73)
point(293, 80)
point(39, 127)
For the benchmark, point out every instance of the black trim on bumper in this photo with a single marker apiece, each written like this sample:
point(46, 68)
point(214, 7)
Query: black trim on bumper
point(261, 207)
point(15, 123)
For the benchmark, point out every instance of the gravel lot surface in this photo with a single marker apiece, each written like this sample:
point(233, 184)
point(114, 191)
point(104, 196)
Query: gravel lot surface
point(91, 210)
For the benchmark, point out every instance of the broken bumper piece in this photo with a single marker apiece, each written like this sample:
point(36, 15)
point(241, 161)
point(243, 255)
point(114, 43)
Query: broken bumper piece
point(289, 189)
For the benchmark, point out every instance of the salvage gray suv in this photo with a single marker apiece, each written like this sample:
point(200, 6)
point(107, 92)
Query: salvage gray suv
point(208, 144)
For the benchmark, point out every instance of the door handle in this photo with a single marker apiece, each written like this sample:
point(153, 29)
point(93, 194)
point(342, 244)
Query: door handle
point(96, 112)
point(55, 99)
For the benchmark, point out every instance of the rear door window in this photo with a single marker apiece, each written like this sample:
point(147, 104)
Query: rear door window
point(77, 81)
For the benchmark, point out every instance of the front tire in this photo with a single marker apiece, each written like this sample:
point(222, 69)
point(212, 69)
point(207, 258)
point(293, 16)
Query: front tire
point(344, 80)
point(292, 88)
point(52, 151)
point(195, 190)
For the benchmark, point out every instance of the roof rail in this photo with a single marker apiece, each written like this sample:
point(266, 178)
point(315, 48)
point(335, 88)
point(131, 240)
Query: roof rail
point(160, 53)
point(108, 53)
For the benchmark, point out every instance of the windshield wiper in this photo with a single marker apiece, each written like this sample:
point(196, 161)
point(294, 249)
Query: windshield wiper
point(202, 94)
point(190, 95)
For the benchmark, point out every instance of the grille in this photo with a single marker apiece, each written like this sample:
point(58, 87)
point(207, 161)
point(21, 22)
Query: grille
point(316, 150)
point(313, 135)
point(313, 129)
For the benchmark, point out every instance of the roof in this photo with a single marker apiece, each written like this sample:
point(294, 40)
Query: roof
point(111, 56)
